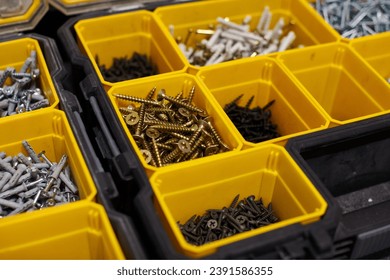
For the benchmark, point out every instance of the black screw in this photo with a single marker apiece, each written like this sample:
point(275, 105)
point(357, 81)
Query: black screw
point(254, 124)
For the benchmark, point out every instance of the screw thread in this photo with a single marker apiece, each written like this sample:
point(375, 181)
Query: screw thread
point(156, 153)
point(191, 95)
point(151, 93)
point(136, 99)
point(171, 156)
point(140, 123)
point(183, 104)
point(173, 128)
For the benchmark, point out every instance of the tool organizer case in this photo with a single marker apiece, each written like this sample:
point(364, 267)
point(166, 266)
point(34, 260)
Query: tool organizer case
point(332, 103)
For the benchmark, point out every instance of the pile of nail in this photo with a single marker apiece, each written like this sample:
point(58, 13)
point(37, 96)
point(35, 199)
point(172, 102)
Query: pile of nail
point(171, 129)
point(254, 124)
point(33, 182)
point(216, 224)
point(355, 18)
point(18, 90)
point(125, 68)
point(230, 40)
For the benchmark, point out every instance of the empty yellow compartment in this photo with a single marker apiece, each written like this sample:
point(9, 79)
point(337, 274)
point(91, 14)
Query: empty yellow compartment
point(341, 82)
point(375, 50)
point(173, 85)
point(71, 232)
point(13, 54)
point(48, 131)
point(266, 172)
point(121, 35)
point(309, 29)
point(293, 111)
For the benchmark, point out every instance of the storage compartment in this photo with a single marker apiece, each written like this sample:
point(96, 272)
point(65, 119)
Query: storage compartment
point(298, 18)
point(48, 131)
point(292, 111)
point(173, 85)
point(346, 88)
point(14, 54)
point(266, 172)
point(72, 232)
point(349, 165)
point(375, 50)
point(121, 35)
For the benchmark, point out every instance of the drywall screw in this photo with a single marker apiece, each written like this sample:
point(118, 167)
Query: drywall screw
point(141, 119)
point(137, 99)
point(162, 95)
point(215, 133)
point(154, 134)
point(183, 147)
point(173, 128)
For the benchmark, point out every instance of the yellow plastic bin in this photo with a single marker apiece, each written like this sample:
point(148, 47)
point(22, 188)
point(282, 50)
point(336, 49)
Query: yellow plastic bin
point(309, 29)
point(173, 85)
point(266, 172)
point(13, 54)
point(341, 82)
point(70, 232)
point(375, 50)
point(123, 34)
point(21, 15)
point(293, 111)
point(48, 131)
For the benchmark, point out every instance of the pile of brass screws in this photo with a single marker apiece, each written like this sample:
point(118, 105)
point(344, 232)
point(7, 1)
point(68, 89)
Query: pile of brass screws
point(171, 129)
point(216, 224)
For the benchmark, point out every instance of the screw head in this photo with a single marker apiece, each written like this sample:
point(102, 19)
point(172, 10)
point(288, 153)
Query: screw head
point(161, 95)
point(147, 155)
point(241, 219)
point(212, 224)
point(152, 133)
point(184, 146)
point(132, 118)
point(184, 112)
point(212, 150)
